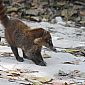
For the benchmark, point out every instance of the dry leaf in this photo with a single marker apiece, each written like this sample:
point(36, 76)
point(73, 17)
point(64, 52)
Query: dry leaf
point(68, 62)
point(71, 50)
point(37, 83)
point(46, 56)
point(76, 62)
point(13, 72)
point(43, 79)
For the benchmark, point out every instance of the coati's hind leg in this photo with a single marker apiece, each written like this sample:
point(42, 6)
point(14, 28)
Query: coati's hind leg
point(24, 56)
point(15, 51)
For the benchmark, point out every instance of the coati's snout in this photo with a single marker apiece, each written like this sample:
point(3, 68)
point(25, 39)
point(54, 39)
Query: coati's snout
point(49, 44)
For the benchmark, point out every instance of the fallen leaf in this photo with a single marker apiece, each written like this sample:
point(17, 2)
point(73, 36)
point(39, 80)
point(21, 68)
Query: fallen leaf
point(37, 83)
point(62, 73)
point(71, 50)
point(26, 84)
point(14, 72)
point(76, 62)
point(46, 56)
point(6, 54)
point(68, 62)
point(43, 79)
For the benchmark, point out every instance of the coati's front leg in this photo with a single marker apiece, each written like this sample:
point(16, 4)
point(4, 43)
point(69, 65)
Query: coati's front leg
point(37, 58)
point(15, 51)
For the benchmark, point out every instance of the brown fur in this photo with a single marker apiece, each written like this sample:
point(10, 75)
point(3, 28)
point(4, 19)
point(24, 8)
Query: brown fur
point(29, 40)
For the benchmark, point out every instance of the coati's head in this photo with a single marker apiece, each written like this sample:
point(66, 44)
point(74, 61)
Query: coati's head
point(45, 40)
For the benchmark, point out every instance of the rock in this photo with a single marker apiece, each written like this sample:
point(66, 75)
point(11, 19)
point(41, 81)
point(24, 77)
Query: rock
point(80, 2)
point(67, 13)
point(14, 14)
point(61, 3)
point(47, 11)
point(82, 16)
point(33, 12)
point(12, 9)
point(18, 1)
point(33, 18)
point(82, 12)
point(82, 23)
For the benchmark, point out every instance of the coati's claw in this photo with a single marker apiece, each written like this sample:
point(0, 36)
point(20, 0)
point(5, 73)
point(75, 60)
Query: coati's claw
point(42, 63)
point(20, 59)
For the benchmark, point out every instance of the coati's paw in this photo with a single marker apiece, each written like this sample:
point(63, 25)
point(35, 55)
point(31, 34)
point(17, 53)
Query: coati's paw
point(20, 59)
point(42, 63)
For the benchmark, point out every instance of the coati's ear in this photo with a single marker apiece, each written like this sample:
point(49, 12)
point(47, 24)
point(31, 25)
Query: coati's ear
point(38, 40)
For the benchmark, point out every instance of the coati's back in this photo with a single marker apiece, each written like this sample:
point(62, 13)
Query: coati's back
point(11, 24)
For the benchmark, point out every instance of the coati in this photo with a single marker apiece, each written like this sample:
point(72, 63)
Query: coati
point(19, 35)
